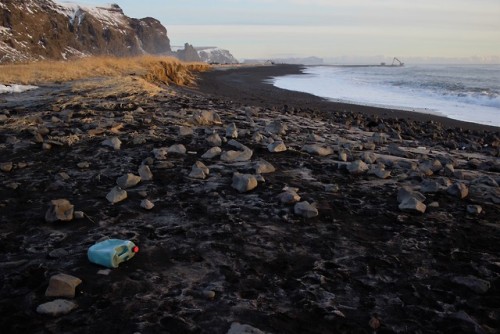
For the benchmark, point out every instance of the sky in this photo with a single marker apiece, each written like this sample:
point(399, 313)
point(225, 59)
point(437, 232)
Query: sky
point(330, 29)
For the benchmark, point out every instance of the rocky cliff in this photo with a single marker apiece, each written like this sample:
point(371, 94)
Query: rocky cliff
point(45, 29)
point(215, 55)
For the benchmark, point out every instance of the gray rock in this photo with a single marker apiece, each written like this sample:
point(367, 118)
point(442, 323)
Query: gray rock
point(289, 196)
point(429, 186)
point(369, 157)
point(185, 131)
point(357, 167)
point(276, 147)
point(343, 156)
point(244, 153)
point(214, 140)
point(474, 209)
point(177, 149)
point(257, 137)
point(382, 173)
point(317, 150)
point(315, 138)
point(397, 151)
point(199, 171)
point(79, 215)
point(62, 285)
point(277, 128)
point(57, 307)
point(116, 195)
point(127, 181)
point(369, 146)
point(59, 210)
point(306, 210)
point(412, 205)
point(459, 190)
point(237, 328)
point(244, 182)
point(449, 170)
point(232, 131)
point(6, 167)
point(380, 138)
point(147, 204)
point(212, 153)
point(205, 117)
point(263, 167)
point(476, 284)
point(145, 173)
point(406, 193)
point(113, 142)
point(160, 153)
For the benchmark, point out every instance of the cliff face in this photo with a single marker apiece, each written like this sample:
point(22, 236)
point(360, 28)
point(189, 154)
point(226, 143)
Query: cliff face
point(44, 29)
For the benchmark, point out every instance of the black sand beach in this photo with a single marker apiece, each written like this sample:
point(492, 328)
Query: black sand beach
point(266, 219)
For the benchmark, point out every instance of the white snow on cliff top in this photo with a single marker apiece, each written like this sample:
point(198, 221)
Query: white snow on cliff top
point(15, 88)
point(106, 14)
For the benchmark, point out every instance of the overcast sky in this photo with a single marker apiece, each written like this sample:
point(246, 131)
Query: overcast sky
point(328, 28)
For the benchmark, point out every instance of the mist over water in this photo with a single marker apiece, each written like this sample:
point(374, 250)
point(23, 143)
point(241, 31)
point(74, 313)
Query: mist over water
point(463, 92)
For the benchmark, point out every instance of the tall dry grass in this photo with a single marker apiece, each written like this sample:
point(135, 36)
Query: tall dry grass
point(154, 69)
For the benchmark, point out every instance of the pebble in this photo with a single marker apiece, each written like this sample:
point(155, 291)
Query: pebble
point(177, 149)
point(46, 146)
point(59, 210)
point(6, 167)
point(412, 205)
point(112, 142)
point(369, 157)
point(57, 307)
point(83, 165)
point(147, 204)
point(263, 167)
point(79, 215)
point(185, 131)
point(277, 128)
point(244, 153)
point(276, 147)
point(145, 173)
point(62, 285)
point(127, 181)
point(357, 167)
point(212, 153)
point(232, 131)
point(199, 171)
point(205, 117)
point(380, 138)
point(343, 156)
point(429, 186)
point(214, 140)
point(116, 195)
point(289, 197)
point(305, 210)
point(474, 209)
point(160, 153)
point(459, 190)
point(244, 182)
point(317, 150)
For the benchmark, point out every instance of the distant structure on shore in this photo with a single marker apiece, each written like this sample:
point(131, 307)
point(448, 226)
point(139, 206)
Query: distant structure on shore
point(395, 62)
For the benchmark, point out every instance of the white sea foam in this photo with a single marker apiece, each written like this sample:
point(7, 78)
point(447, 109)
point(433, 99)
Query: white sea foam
point(467, 93)
point(15, 88)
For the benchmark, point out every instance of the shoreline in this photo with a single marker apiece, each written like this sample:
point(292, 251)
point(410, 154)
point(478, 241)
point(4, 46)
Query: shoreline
point(247, 85)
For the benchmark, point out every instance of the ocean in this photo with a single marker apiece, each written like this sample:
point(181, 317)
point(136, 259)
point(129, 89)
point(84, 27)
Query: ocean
point(464, 92)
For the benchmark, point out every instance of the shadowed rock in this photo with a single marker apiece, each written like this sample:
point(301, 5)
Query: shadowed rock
point(57, 307)
point(305, 210)
point(459, 190)
point(59, 210)
point(62, 285)
point(127, 181)
point(244, 182)
point(116, 195)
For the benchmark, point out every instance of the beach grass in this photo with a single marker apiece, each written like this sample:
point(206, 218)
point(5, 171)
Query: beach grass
point(153, 69)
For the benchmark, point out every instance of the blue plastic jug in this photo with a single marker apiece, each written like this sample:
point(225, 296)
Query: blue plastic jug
point(110, 253)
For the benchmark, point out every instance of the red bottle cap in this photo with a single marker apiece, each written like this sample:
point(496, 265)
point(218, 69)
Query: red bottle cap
point(135, 249)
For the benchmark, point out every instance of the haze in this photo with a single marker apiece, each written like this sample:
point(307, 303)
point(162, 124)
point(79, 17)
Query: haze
point(332, 29)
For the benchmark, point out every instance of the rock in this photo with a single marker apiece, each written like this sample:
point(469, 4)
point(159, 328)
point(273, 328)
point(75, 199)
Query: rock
point(6, 167)
point(276, 147)
point(205, 117)
point(209, 294)
point(59, 210)
point(412, 205)
point(459, 190)
point(244, 182)
point(177, 149)
point(476, 284)
point(145, 173)
point(160, 153)
point(113, 142)
point(185, 131)
point(357, 167)
point(474, 209)
point(317, 150)
point(314, 138)
point(57, 307)
point(343, 156)
point(429, 186)
point(46, 146)
point(232, 131)
point(369, 146)
point(289, 196)
point(147, 204)
point(449, 170)
point(127, 181)
point(212, 153)
point(397, 151)
point(382, 173)
point(406, 193)
point(83, 165)
point(305, 210)
point(79, 215)
point(380, 138)
point(277, 128)
point(257, 137)
point(263, 167)
point(369, 157)
point(244, 153)
point(214, 140)
point(237, 328)
point(199, 171)
point(62, 285)
point(116, 195)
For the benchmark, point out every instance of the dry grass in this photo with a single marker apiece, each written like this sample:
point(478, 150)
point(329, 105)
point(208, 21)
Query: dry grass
point(154, 69)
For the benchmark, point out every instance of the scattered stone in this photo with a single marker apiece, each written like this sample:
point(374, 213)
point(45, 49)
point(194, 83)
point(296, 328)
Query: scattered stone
point(412, 205)
point(214, 140)
point(263, 167)
point(237, 328)
point(459, 190)
point(127, 181)
point(185, 131)
point(212, 153)
point(380, 138)
point(116, 195)
point(46, 146)
point(57, 307)
point(244, 182)
point(434, 205)
point(315, 138)
point(405, 193)
point(13, 185)
point(449, 170)
point(104, 272)
point(209, 294)
point(205, 117)
point(429, 186)
point(147, 204)
point(343, 156)
point(369, 157)
point(145, 173)
point(476, 284)
point(232, 131)
point(276, 147)
point(382, 173)
point(6, 167)
point(177, 149)
point(289, 196)
point(113, 142)
point(369, 146)
point(83, 165)
point(79, 215)
point(22, 165)
point(305, 210)
point(160, 153)
point(317, 150)
point(62, 285)
point(474, 209)
point(199, 171)
point(59, 210)
point(244, 153)
point(277, 128)
point(357, 167)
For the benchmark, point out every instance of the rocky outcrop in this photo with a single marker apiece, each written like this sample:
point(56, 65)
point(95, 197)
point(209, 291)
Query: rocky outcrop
point(216, 56)
point(44, 29)
point(189, 53)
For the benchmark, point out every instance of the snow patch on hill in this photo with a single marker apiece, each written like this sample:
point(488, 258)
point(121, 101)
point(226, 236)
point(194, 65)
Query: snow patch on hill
point(110, 14)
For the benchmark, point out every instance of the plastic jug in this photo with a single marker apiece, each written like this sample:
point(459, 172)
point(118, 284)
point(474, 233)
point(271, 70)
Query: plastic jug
point(110, 253)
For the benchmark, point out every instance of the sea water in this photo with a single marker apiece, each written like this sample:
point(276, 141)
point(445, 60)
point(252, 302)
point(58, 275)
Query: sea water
point(464, 92)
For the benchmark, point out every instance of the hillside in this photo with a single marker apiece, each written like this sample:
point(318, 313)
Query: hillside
point(45, 29)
